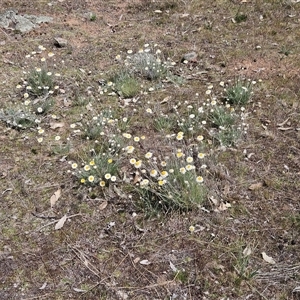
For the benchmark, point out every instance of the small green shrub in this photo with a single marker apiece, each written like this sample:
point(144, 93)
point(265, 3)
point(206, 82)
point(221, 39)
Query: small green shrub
point(240, 17)
point(285, 51)
point(61, 148)
point(43, 107)
point(242, 269)
point(96, 127)
point(80, 100)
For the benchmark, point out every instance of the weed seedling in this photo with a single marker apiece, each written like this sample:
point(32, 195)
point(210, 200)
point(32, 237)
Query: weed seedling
point(240, 17)
point(93, 17)
point(242, 269)
point(285, 51)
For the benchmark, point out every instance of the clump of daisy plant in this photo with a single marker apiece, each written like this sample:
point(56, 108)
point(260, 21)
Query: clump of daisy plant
point(18, 117)
point(176, 184)
point(101, 169)
point(239, 93)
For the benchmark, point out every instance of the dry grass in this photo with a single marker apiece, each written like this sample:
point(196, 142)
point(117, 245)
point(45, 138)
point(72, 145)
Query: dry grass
point(252, 185)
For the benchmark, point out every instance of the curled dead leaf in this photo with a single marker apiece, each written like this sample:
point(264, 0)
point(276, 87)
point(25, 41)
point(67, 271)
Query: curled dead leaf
point(54, 198)
point(60, 222)
point(55, 125)
point(214, 201)
point(255, 186)
point(137, 177)
point(103, 205)
point(136, 260)
point(43, 286)
point(165, 100)
point(145, 262)
point(223, 206)
point(267, 258)
point(247, 251)
point(285, 128)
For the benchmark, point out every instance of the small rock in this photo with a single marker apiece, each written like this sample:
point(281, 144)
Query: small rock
point(22, 23)
point(60, 42)
point(190, 57)
point(184, 16)
point(90, 16)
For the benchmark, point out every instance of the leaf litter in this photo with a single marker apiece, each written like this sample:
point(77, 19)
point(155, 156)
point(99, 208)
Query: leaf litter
point(54, 198)
point(60, 223)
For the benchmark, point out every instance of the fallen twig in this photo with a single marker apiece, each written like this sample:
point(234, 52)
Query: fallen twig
point(51, 223)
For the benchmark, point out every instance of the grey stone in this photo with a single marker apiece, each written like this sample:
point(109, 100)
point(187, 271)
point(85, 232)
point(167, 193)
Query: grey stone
point(23, 23)
point(60, 42)
point(90, 16)
point(191, 56)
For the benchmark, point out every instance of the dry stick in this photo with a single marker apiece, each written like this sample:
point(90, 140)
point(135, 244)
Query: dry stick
point(45, 186)
point(93, 271)
point(85, 261)
point(120, 262)
point(147, 286)
point(7, 190)
point(102, 281)
point(51, 223)
point(94, 286)
point(36, 297)
point(133, 264)
point(259, 293)
point(6, 34)
point(141, 275)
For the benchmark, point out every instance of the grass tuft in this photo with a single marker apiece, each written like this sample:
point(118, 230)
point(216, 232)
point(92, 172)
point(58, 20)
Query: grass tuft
point(178, 189)
point(239, 94)
point(221, 117)
point(125, 84)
